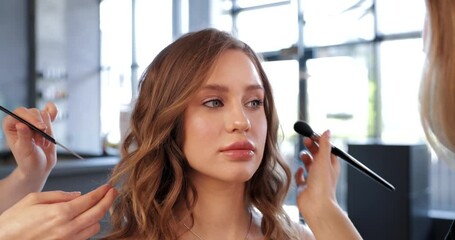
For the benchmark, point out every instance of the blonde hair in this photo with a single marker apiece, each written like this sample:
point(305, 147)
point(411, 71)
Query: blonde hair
point(437, 89)
point(152, 174)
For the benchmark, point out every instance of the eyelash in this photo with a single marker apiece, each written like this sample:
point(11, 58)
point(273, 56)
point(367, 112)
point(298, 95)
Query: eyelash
point(259, 103)
point(209, 103)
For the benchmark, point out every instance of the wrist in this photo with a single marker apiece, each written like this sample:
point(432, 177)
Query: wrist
point(329, 221)
point(320, 210)
point(4, 233)
point(33, 180)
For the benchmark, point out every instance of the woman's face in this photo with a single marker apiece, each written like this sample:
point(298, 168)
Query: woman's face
point(225, 124)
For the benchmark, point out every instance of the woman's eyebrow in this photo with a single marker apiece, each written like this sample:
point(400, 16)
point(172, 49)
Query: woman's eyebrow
point(255, 87)
point(215, 87)
point(222, 88)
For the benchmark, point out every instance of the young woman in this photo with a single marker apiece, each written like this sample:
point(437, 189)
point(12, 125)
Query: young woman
point(201, 159)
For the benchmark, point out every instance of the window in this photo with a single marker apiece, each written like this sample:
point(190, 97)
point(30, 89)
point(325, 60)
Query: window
point(398, 17)
point(259, 27)
point(116, 60)
point(399, 89)
point(375, 46)
point(342, 74)
point(283, 76)
point(132, 34)
point(354, 51)
point(342, 22)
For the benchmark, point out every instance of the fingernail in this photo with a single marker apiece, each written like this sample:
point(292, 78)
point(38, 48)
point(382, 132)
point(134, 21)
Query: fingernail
point(304, 152)
point(75, 193)
point(104, 186)
point(41, 125)
point(327, 133)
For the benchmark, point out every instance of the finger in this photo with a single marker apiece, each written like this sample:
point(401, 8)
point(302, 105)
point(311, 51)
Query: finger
point(10, 123)
point(22, 144)
point(310, 145)
point(24, 133)
point(52, 109)
point(324, 141)
point(335, 164)
point(299, 177)
point(48, 197)
point(32, 116)
point(84, 202)
point(88, 232)
point(47, 120)
point(325, 147)
point(95, 213)
point(306, 158)
point(48, 114)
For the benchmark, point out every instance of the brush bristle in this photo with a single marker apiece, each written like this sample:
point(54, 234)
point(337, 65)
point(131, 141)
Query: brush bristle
point(303, 128)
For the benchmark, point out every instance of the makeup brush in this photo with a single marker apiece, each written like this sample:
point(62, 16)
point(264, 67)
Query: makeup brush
point(304, 129)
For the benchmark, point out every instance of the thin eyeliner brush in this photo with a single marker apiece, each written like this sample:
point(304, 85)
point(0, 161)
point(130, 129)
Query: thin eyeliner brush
point(45, 135)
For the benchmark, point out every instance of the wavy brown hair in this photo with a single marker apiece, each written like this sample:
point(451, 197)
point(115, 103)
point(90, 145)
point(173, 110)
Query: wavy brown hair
point(152, 176)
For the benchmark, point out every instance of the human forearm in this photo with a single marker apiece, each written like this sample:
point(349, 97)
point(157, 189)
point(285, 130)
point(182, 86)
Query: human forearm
point(17, 185)
point(329, 221)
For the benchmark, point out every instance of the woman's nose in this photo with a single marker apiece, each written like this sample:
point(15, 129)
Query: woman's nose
point(239, 121)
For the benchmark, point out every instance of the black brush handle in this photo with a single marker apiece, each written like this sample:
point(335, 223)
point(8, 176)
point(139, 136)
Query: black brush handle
point(305, 130)
point(45, 135)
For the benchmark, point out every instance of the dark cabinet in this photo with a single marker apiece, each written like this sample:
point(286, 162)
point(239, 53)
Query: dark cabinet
point(382, 214)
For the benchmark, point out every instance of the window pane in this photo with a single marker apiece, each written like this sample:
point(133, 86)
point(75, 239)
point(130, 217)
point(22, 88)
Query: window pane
point(221, 20)
point(400, 16)
point(339, 91)
point(339, 94)
point(269, 29)
point(116, 42)
point(345, 21)
point(284, 78)
point(400, 70)
point(253, 3)
point(153, 30)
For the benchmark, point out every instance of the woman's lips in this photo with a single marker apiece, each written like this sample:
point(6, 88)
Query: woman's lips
point(239, 151)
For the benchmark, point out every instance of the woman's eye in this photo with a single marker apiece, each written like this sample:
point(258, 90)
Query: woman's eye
point(213, 103)
point(255, 103)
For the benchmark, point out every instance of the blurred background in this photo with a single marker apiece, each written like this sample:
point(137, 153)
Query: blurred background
point(351, 66)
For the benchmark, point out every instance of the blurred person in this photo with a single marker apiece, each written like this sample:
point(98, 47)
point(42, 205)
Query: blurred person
point(437, 87)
